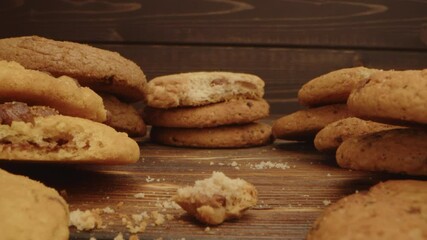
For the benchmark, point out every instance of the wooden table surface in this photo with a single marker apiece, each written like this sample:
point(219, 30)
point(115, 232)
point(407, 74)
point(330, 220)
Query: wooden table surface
point(286, 42)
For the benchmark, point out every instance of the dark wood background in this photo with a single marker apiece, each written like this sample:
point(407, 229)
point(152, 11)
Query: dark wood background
point(286, 42)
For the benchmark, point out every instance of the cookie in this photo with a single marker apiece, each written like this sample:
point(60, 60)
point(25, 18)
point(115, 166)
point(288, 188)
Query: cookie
point(395, 151)
point(38, 88)
point(332, 135)
point(217, 199)
point(61, 138)
point(30, 210)
point(390, 210)
point(392, 97)
point(333, 87)
point(123, 117)
point(232, 136)
point(304, 124)
point(235, 111)
point(99, 69)
point(201, 88)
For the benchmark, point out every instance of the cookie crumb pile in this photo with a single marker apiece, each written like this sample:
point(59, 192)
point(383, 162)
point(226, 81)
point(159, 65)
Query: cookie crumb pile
point(217, 199)
point(207, 110)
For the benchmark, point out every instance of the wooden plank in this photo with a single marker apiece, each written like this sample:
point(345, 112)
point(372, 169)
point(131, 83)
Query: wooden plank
point(290, 199)
point(284, 70)
point(350, 24)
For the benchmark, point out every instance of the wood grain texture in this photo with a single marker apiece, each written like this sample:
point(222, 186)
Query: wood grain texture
point(290, 199)
point(351, 24)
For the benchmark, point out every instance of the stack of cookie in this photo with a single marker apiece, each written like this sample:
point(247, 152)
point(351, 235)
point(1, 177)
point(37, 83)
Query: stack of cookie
point(207, 110)
point(48, 118)
point(118, 80)
point(326, 98)
point(397, 97)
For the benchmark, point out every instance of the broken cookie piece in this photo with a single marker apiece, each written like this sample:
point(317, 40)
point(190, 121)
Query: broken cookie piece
point(217, 199)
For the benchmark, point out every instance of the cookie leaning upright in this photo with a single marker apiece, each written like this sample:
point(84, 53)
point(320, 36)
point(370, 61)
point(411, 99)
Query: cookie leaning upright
point(29, 210)
point(392, 96)
point(201, 88)
point(333, 87)
point(96, 68)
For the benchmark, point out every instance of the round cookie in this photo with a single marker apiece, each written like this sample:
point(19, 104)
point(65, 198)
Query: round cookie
point(232, 136)
point(61, 138)
point(333, 87)
point(392, 97)
point(30, 210)
point(396, 151)
point(235, 111)
point(332, 135)
point(304, 124)
point(389, 211)
point(96, 68)
point(123, 117)
point(201, 88)
point(38, 88)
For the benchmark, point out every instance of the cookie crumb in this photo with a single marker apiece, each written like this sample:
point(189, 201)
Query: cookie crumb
point(85, 220)
point(139, 195)
point(269, 165)
point(326, 202)
point(207, 229)
point(216, 199)
point(108, 210)
point(149, 179)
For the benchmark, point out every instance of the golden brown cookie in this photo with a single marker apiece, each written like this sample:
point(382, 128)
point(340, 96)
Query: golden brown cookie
point(201, 88)
point(333, 87)
point(61, 138)
point(123, 117)
point(392, 96)
point(96, 68)
point(332, 135)
point(232, 136)
point(304, 124)
point(235, 111)
point(38, 88)
point(392, 210)
point(396, 151)
point(217, 199)
point(30, 210)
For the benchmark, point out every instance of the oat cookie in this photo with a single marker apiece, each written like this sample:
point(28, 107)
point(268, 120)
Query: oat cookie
point(333, 87)
point(232, 136)
point(304, 124)
point(396, 151)
point(201, 88)
point(235, 111)
point(96, 68)
point(332, 135)
point(217, 199)
point(123, 117)
point(392, 96)
point(38, 88)
point(392, 210)
point(29, 210)
point(61, 138)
